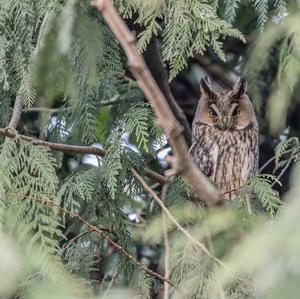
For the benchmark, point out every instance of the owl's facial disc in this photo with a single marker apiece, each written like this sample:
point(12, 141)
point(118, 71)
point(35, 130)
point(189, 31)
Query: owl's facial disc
point(228, 111)
point(230, 116)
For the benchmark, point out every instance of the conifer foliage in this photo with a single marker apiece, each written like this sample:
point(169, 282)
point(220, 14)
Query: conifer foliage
point(76, 225)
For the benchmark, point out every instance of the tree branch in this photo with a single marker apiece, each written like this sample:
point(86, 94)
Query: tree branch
point(155, 176)
point(114, 100)
point(101, 232)
point(156, 66)
point(17, 110)
point(214, 70)
point(75, 239)
point(116, 246)
point(167, 246)
point(181, 163)
point(174, 220)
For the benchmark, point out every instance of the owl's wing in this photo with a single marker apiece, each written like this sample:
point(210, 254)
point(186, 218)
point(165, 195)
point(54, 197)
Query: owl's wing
point(205, 157)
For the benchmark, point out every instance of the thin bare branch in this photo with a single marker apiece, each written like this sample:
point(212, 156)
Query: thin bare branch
point(101, 232)
point(110, 284)
point(115, 245)
point(214, 70)
point(273, 158)
point(200, 245)
point(77, 149)
point(181, 163)
point(114, 100)
point(44, 110)
point(74, 240)
point(167, 247)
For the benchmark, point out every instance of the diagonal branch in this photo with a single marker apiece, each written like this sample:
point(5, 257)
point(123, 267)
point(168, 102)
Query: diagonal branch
point(116, 246)
point(167, 246)
point(181, 163)
point(215, 71)
point(17, 110)
point(200, 245)
point(102, 232)
point(155, 176)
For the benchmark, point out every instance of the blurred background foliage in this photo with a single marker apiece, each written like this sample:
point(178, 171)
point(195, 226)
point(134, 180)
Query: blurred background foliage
point(65, 63)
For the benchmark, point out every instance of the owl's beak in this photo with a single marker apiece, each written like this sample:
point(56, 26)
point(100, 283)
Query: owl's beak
point(224, 123)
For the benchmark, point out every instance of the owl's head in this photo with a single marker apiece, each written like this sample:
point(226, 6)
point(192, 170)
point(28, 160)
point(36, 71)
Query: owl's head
point(230, 110)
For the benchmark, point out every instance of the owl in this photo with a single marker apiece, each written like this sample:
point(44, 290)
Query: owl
point(225, 137)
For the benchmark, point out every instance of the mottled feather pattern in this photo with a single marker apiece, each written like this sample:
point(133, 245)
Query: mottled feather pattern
point(228, 158)
point(225, 137)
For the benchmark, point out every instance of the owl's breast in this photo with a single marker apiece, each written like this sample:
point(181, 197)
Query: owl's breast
point(233, 156)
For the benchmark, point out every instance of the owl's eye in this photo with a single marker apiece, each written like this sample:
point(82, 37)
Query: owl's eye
point(236, 111)
point(212, 112)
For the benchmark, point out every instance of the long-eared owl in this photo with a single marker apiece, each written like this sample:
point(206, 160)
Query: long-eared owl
point(225, 137)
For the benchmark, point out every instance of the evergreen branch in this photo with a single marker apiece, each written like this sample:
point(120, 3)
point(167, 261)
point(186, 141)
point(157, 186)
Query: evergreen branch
point(200, 245)
point(73, 240)
point(180, 163)
point(155, 176)
point(17, 110)
point(100, 231)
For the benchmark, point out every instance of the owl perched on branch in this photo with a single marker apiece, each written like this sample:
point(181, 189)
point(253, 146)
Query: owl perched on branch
point(225, 137)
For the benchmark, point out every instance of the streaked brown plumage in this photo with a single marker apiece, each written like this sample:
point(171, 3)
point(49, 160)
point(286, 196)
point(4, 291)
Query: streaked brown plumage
point(225, 137)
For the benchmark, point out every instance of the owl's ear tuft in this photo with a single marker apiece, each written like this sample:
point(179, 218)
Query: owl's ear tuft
point(207, 90)
point(239, 90)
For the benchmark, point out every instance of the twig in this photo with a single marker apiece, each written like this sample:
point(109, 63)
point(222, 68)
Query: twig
point(19, 98)
point(167, 247)
point(110, 102)
point(180, 162)
point(110, 284)
point(248, 204)
point(283, 170)
point(214, 70)
point(93, 228)
point(272, 159)
point(173, 219)
point(75, 239)
point(77, 149)
point(44, 109)
point(116, 245)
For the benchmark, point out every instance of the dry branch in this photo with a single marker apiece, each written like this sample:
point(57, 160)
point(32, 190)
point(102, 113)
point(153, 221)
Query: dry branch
point(102, 232)
point(77, 149)
point(181, 163)
point(115, 245)
point(200, 245)
point(215, 71)
point(167, 246)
